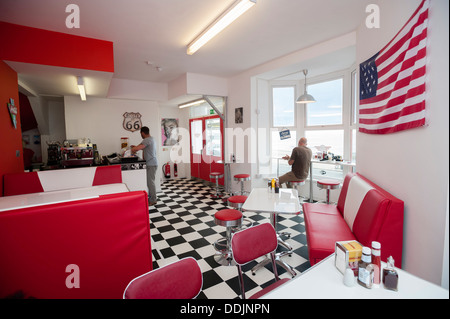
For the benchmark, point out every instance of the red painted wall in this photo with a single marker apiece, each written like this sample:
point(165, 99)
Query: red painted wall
point(10, 138)
point(32, 45)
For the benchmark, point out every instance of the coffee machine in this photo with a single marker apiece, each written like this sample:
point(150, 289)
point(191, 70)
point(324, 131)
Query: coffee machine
point(77, 153)
point(53, 154)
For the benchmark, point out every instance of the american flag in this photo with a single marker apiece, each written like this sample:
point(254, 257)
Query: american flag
point(392, 82)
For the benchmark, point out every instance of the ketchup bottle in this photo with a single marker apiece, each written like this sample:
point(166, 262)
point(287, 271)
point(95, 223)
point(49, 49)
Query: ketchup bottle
point(376, 261)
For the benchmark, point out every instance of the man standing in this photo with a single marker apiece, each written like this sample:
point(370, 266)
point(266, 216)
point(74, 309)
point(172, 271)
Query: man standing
point(300, 160)
point(148, 146)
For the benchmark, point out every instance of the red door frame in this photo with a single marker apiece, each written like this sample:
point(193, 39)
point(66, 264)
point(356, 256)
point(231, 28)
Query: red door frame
point(196, 159)
point(207, 163)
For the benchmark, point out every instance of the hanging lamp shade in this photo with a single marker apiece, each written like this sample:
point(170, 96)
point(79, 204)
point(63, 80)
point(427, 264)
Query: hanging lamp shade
point(305, 97)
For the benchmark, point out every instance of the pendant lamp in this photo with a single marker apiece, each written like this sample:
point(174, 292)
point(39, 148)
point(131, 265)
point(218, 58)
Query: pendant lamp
point(305, 97)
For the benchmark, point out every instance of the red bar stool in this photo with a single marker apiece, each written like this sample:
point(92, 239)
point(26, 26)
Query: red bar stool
point(216, 176)
point(237, 202)
point(242, 178)
point(328, 184)
point(231, 219)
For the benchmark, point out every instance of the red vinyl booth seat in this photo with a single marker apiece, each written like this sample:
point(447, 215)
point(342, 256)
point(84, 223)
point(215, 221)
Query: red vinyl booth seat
point(107, 238)
point(365, 212)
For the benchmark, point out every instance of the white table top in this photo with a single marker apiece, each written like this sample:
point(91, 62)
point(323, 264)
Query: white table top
point(325, 281)
point(60, 196)
point(284, 202)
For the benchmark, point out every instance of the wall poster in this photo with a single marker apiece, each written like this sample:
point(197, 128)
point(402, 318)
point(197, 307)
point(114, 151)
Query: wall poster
point(169, 132)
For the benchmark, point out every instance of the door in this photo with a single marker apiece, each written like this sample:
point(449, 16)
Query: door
point(196, 130)
point(213, 156)
point(206, 147)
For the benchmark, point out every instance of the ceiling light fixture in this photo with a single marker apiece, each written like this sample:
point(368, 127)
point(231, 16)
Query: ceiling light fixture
point(305, 97)
point(191, 103)
point(231, 14)
point(81, 88)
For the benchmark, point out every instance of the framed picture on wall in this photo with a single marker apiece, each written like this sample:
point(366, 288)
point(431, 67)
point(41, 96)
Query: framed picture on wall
point(169, 132)
point(239, 115)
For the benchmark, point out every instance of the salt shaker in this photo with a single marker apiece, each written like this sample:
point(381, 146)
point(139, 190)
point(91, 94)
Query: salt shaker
point(349, 277)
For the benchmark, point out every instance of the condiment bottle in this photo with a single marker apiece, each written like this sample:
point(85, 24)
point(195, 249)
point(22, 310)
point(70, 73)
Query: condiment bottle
point(376, 261)
point(273, 184)
point(277, 186)
point(365, 269)
point(390, 275)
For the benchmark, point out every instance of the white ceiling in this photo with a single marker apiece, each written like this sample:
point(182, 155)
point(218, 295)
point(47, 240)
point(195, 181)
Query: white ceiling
point(160, 30)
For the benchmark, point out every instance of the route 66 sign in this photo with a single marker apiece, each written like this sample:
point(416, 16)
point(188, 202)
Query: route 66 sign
point(132, 121)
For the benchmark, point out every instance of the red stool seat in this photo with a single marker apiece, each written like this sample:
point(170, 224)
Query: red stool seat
point(238, 199)
point(331, 183)
point(215, 174)
point(328, 184)
point(228, 217)
point(242, 177)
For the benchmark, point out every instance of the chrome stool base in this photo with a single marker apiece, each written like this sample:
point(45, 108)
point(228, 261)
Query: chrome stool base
point(224, 258)
point(278, 256)
point(224, 254)
point(216, 176)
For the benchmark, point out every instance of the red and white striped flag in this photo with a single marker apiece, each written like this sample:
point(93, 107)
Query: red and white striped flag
point(392, 82)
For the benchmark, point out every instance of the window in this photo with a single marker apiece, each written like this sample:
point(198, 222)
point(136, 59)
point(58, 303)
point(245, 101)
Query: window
point(213, 137)
point(328, 108)
point(283, 106)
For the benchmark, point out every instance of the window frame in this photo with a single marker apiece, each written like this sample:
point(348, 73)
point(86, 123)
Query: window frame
point(323, 79)
point(300, 127)
point(284, 84)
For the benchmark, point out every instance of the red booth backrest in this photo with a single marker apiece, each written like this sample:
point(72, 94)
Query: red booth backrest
point(43, 181)
point(372, 214)
point(107, 238)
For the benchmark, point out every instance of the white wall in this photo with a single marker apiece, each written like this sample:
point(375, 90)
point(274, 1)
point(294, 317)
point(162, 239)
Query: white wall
point(101, 120)
point(413, 165)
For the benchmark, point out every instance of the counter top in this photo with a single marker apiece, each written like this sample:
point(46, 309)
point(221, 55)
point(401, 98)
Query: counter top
point(59, 196)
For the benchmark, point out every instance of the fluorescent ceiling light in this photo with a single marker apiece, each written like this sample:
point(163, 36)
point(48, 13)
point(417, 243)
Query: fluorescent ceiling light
point(191, 103)
point(231, 14)
point(80, 83)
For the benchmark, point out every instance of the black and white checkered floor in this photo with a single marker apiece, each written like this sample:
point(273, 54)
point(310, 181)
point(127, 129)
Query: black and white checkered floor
point(182, 225)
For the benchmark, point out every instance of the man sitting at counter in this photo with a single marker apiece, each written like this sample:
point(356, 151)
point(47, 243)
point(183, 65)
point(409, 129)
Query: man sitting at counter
point(148, 147)
point(300, 160)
